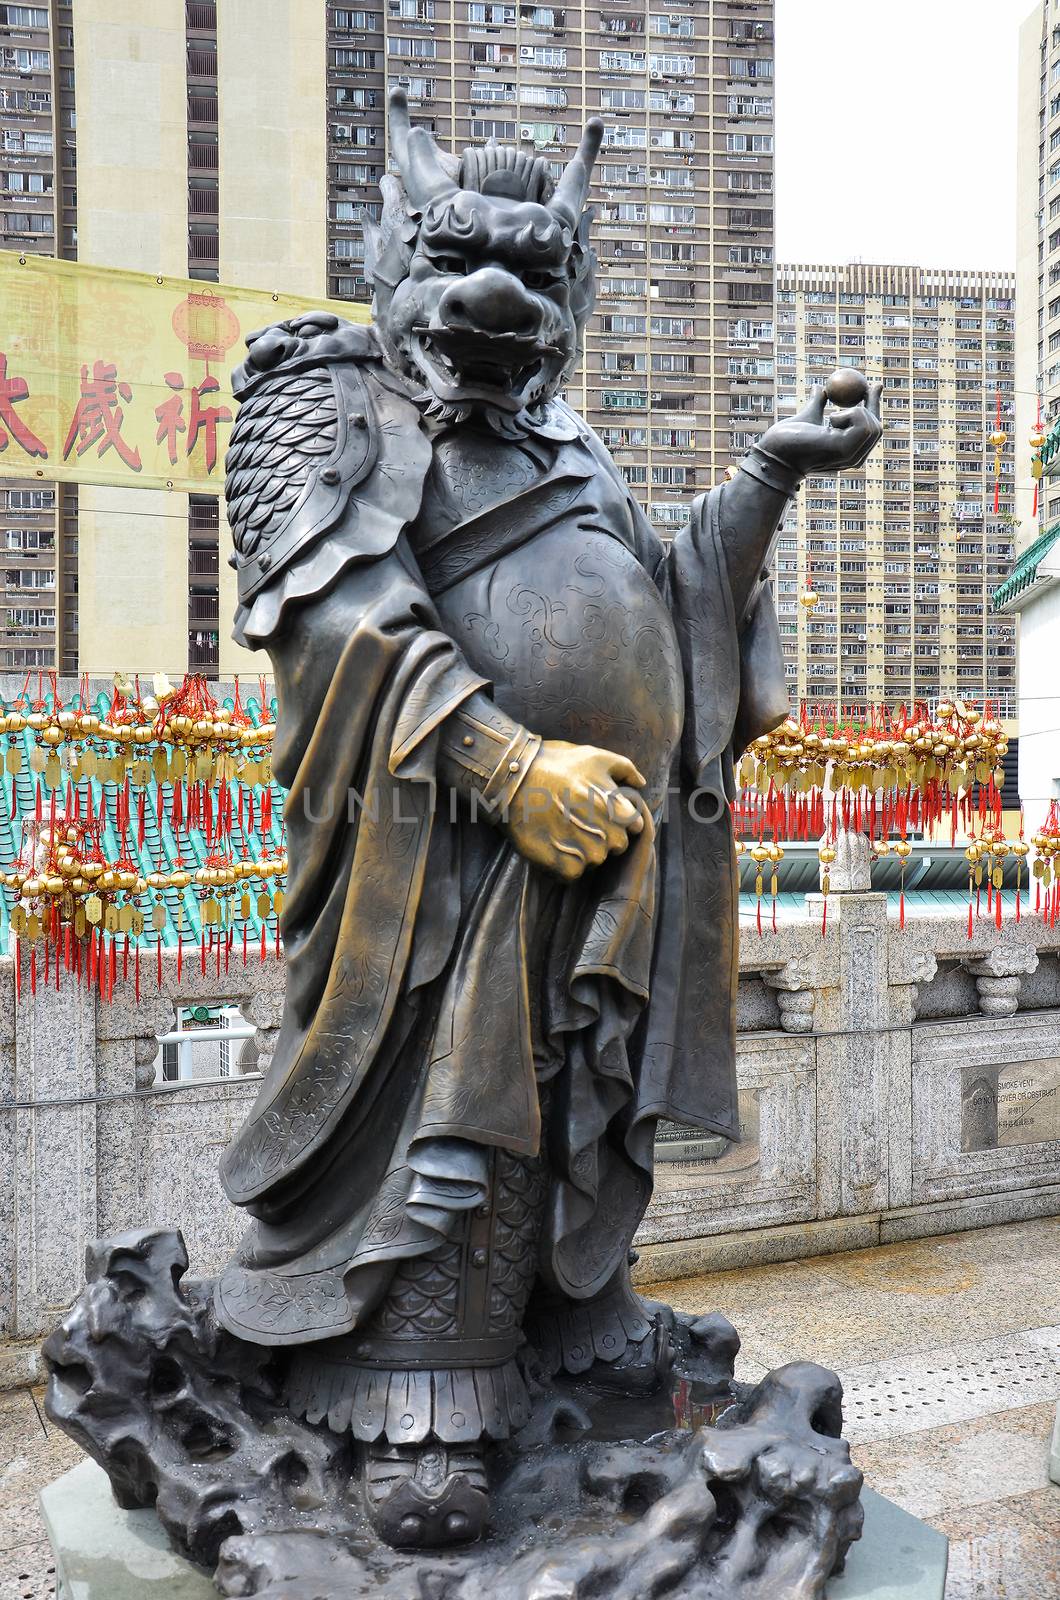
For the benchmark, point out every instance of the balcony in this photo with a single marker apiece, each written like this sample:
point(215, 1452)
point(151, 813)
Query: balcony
point(202, 157)
point(203, 249)
point(203, 608)
point(201, 15)
point(202, 563)
point(202, 110)
point(202, 63)
point(202, 202)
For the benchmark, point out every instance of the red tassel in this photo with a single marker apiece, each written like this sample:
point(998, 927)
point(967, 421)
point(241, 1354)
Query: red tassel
point(125, 961)
point(202, 952)
point(997, 900)
point(901, 908)
point(113, 967)
point(33, 970)
point(244, 944)
point(158, 959)
point(38, 804)
point(180, 955)
point(136, 975)
point(263, 941)
point(141, 818)
point(217, 972)
point(969, 916)
point(824, 915)
point(18, 969)
point(47, 961)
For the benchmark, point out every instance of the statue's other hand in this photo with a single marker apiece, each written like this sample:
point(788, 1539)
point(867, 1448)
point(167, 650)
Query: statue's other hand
point(812, 441)
point(570, 813)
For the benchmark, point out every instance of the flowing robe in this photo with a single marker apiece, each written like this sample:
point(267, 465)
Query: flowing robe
point(440, 990)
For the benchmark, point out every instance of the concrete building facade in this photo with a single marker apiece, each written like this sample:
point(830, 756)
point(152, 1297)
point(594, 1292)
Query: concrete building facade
point(242, 142)
point(1030, 593)
point(902, 555)
point(38, 216)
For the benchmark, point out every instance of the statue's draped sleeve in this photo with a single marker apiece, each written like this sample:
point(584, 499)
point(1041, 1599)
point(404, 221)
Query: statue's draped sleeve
point(364, 676)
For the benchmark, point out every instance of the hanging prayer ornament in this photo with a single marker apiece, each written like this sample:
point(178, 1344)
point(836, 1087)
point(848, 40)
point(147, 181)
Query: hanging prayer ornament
point(826, 855)
point(1036, 441)
point(998, 440)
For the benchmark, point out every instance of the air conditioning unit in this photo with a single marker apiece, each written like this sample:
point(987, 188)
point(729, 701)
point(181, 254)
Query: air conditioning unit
point(656, 77)
point(526, 131)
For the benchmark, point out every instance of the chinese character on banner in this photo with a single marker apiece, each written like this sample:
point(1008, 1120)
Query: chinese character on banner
point(98, 417)
point(12, 390)
point(203, 419)
point(170, 418)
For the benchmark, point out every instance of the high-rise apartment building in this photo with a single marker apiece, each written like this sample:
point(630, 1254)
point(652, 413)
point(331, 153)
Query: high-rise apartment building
point(678, 366)
point(903, 554)
point(38, 216)
point(244, 141)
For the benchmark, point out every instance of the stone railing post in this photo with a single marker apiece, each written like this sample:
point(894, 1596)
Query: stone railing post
point(55, 1157)
point(853, 1057)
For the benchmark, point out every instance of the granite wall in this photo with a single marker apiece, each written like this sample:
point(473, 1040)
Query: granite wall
point(893, 1084)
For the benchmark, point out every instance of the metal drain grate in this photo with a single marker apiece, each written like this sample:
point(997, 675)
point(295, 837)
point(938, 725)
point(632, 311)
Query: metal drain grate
point(953, 1386)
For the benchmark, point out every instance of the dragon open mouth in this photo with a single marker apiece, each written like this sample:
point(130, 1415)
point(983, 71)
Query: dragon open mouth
point(506, 370)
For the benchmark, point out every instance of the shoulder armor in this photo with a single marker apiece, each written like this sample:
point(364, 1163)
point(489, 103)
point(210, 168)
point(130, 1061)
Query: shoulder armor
point(301, 442)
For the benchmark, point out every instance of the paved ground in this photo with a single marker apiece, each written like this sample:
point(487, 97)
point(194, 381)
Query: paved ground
point(949, 1351)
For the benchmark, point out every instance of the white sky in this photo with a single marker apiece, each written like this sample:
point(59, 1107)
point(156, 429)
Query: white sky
point(896, 131)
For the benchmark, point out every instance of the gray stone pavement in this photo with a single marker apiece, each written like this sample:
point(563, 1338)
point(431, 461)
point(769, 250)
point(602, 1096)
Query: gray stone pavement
point(949, 1350)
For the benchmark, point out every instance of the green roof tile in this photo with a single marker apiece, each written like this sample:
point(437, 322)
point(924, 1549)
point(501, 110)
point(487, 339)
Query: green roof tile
point(1025, 570)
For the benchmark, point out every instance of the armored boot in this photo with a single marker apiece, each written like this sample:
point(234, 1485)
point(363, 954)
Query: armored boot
point(614, 1341)
point(433, 1378)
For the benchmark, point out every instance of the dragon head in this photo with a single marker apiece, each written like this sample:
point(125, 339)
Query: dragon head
point(482, 271)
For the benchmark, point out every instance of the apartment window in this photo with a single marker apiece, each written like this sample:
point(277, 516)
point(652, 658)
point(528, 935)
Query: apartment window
point(750, 255)
point(536, 55)
point(541, 94)
point(667, 361)
point(672, 66)
point(670, 26)
point(750, 67)
point(750, 105)
point(413, 10)
point(25, 16)
point(414, 48)
point(624, 400)
point(20, 60)
point(355, 61)
point(25, 222)
point(749, 143)
point(26, 182)
point(355, 133)
point(486, 128)
point(624, 324)
point(356, 21)
point(623, 361)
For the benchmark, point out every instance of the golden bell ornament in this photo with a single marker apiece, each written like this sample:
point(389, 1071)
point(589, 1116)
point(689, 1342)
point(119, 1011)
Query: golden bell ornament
point(808, 599)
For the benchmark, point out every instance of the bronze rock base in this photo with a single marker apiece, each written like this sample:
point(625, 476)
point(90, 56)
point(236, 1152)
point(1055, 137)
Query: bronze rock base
point(709, 1490)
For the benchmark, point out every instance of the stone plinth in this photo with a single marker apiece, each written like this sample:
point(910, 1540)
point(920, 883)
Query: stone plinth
point(103, 1553)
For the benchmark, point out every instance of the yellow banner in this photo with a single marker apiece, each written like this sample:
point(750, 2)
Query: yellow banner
point(121, 378)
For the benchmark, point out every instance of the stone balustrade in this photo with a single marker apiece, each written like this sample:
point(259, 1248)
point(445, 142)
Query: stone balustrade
point(893, 1084)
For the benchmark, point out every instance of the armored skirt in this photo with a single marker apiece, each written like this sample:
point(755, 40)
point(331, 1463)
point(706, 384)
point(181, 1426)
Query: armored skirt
point(462, 1031)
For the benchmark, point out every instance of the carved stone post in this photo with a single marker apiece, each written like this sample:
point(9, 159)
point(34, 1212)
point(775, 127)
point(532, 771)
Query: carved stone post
point(997, 977)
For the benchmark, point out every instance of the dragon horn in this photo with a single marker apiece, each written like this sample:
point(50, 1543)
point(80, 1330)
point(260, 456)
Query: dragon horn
point(568, 202)
point(416, 156)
